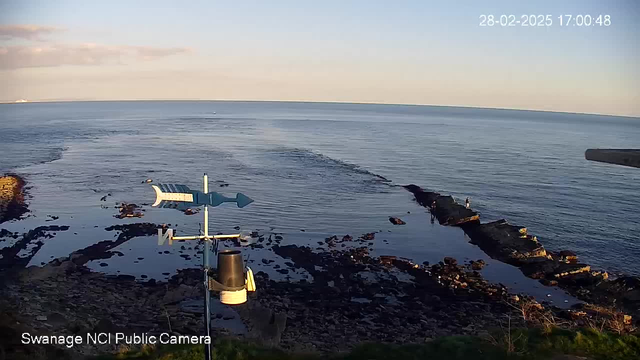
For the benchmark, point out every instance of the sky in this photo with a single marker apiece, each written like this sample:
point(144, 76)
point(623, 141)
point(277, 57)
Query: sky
point(399, 52)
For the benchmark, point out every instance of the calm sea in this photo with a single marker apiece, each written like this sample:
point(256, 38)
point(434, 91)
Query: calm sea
point(318, 169)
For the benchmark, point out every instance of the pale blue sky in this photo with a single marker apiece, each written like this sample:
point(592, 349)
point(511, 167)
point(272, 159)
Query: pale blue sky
point(421, 52)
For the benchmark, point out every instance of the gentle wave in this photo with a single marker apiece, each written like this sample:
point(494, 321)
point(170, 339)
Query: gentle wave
point(54, 155)
point(30, 156)
point(324, 160)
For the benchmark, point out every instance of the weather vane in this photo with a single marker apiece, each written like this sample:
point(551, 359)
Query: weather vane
point(233, 284)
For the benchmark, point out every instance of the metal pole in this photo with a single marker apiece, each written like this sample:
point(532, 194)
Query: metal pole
point(207, 295)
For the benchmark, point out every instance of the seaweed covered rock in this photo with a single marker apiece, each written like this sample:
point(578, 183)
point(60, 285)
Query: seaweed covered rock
point(506, 242)
point(396, 221)
point(12, 205)
point(129, 211)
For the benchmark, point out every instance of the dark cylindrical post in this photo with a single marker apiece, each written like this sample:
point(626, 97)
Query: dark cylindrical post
point(231, 268)
point(207, 297)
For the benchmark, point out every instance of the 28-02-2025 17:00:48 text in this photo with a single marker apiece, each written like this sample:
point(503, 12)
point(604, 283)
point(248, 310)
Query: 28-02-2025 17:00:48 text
point(510, 20)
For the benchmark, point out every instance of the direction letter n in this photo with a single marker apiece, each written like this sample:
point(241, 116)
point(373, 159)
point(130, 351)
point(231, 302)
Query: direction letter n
point(163, 237)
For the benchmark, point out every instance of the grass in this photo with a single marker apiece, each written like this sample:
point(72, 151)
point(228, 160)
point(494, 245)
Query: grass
point(523, 344)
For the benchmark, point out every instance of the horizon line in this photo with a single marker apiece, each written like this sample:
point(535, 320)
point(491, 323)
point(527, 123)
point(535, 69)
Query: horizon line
point(19, 102)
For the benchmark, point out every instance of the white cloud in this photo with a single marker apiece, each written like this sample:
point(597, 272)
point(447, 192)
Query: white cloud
point(29, 32)
point(150, 53)
point(14, 57)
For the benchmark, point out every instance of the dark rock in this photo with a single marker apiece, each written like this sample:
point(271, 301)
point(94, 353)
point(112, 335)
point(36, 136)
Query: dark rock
point(101, 250)
point(396, 221)
point(582, 279)
point(478, 264)
point(56, 319)
point(126, 277)
point(446, 209)
point(190, 211)
point(547, 268)
point(568, 256)
point(505, 242)
point(549, 282)
point(368, 236)
point(129, 211)
point(450, 261)
point(106, 326)
point(9, 255)
point(331, 241)
point(387, 259)
point(183, 291)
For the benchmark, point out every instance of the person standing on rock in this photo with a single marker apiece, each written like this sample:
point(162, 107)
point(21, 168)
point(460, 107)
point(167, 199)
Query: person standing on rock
point(467, 203)
point(433, 211)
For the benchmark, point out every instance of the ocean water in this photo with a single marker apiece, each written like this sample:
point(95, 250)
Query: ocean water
point(318, 169)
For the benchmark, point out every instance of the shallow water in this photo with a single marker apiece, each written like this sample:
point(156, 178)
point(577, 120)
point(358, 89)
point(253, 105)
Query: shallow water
point(326, 169)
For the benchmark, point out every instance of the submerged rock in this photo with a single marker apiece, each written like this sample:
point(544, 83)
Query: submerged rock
point(191, 211)
point(396, 221)
point(129, 211)
point(10, 255)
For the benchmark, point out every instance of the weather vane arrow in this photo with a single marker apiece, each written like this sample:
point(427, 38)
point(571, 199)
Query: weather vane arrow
point(180, 197)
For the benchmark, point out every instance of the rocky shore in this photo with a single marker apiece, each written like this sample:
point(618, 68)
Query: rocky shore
point(12, 204)
point(350, 297)
point(512, 244)
point(65, 297)
point(346, 296)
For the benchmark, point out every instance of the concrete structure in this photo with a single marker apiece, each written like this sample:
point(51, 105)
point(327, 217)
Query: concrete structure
point(624, 157)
